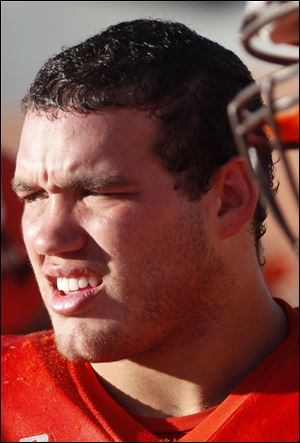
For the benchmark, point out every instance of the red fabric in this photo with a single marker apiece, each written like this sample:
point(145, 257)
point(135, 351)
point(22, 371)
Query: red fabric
point(39, 396)
point(173, 428)
point(170, 424)
point(44, 394)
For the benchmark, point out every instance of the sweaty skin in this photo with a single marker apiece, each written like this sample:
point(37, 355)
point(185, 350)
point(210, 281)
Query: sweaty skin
point(170, 329)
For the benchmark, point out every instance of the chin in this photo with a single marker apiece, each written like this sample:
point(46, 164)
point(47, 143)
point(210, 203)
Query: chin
point(80, 343)
point(83, 350)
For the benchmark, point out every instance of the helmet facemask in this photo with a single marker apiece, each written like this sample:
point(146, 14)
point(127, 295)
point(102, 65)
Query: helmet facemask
point(273, 127)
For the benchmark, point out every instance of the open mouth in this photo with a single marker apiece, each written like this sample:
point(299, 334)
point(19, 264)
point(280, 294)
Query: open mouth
point(74, 284)
point(72, 296)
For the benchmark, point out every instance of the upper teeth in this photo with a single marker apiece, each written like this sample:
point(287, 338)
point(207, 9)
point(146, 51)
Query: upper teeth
point(73, 284)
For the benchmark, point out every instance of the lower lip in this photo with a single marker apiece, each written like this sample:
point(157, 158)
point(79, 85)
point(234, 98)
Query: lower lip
point(72, 302)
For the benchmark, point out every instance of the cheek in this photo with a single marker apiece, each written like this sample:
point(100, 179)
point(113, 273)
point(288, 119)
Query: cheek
point(121, 228)
point(29, 231)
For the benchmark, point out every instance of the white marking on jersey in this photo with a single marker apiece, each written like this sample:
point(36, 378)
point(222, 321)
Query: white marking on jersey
point(41, 437)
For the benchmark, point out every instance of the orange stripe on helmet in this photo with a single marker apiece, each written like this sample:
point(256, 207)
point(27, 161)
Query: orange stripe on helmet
point(288, 126)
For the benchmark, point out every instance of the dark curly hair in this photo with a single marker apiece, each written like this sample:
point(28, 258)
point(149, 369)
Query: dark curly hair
point(186, 80)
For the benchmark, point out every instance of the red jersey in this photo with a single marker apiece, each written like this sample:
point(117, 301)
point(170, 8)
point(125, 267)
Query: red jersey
point(47, 398)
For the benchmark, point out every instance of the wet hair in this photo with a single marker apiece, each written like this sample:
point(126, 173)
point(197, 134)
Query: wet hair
point(184, 79)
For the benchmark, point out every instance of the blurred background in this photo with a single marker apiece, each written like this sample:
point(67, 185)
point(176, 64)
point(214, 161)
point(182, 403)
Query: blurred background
point(31, 32)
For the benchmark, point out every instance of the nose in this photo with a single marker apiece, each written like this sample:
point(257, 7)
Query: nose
point(59, 232)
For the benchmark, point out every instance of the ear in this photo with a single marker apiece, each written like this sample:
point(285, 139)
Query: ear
point(237, 196)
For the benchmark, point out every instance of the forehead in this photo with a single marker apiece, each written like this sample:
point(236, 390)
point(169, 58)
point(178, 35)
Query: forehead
point(116, 137)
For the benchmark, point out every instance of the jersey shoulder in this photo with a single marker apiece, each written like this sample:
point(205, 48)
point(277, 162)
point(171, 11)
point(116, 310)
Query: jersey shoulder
point(20, 342)
point(39, 395)
point(29, 353)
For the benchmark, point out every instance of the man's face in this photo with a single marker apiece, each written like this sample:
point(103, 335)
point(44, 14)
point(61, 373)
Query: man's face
point(122, 260)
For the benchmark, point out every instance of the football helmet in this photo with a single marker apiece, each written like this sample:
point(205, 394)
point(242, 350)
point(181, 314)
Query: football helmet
point(270, 32)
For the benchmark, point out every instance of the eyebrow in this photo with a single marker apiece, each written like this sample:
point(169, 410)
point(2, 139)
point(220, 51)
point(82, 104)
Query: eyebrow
point(99, 182)
point(20, 186)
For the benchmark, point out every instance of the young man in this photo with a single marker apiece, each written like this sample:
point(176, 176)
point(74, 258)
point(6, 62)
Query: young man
point(143, 229)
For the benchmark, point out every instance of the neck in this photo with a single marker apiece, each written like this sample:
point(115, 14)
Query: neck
point(201, 371)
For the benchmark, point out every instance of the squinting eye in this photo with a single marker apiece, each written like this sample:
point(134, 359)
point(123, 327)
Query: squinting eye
point(87, 193)
point(103, 194)
point(34, 197)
